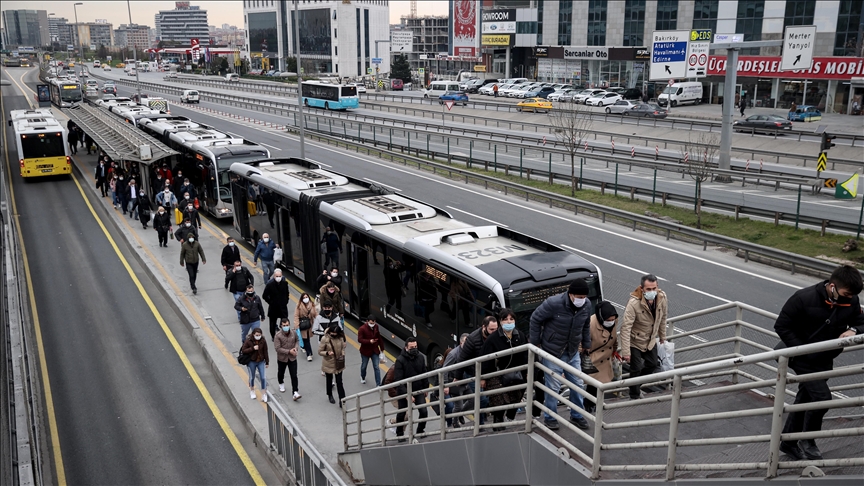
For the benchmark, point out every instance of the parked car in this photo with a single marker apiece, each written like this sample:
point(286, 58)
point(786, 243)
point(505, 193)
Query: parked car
point(454, 96)
point(768, 123)
point(648, 110)
point(805, 113)
point(361, 88)
point(543, 92)
point(190, 96)
point(397, 84)
point(488, 89)
point(559, 93)
point(525, 91)
point(631, 94)
point(570, 96)
point(584, 95)
point(603, 99)
point(620, 106)
point(512, 91)
point(535, 105)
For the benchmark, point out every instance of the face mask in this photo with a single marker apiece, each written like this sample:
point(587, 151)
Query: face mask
point(413, 352)
point(650, 295)
point(188, 224)
point(191, 240)
point(237, 269)
point(327, 312)
point(266, 240)
point(286, 328)
point(305, 300)
point(508, 326)
point(608, 324)
point(231, 244)
point(161, 212)
point(190, 208)
point(334, 274)
point(257, 337)
point(371, 324)
point(331, 291)
point(121, 178)
point(579, 302)
point(250, 294)
point(277, 279)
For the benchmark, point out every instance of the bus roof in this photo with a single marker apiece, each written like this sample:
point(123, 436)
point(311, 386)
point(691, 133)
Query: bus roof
point(34, 121)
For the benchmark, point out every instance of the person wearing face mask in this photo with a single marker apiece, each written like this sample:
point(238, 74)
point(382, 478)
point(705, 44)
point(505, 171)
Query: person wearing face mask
point(505, 338)
point(185, 229)
point(166, 199)
point(409, 364)
point(190, 213)
point(188, 188)
point(470, 350)
point(157, 183)
point(331, 247)
point(326, 318)
point(102, 177)
point(822, 312)
point(644, 322)
point(120, 189)
point(144, 208)
point(251, 309)
point(331, 275)
point(230, 254)
point(371, 348)
point(276, 294)
point(330, 292)
point(256, 347)
point(604, 345)
point(132, 193)
point(190, 250)
point(237, 278)
point(112, 185)
point(332, 349)
point(305, 314)
point(286, 345)
point(265, 250)
point(560, 326)
point(162, 225)
point(177, 186)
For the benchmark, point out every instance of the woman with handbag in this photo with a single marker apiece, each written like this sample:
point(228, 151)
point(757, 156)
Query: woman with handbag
point(304, 315)
point(332, 348)
point(285, 343)
point(256, 347)
point(506, 337)
point(597, 361)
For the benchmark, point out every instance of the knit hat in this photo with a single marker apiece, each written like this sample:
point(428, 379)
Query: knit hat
point(606, 310)
point(578, 287)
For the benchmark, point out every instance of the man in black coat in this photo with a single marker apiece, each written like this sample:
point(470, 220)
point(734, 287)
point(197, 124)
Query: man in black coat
point(190, 213)
point(230, 254)
point(825, 311)
point(162, 225)
point(102, 177)
point(183, 231)
point(276, 294)
point(470, 350)
point(409, 364)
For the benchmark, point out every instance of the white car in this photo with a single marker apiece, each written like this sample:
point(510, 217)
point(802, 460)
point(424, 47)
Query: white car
point(487, 90)
point(603, 99)
point(106, 67)
point(621, 106)
point(515, 90)
point(556, 96)
point(189, 96)
point(584, 95)
point(132, 72)
point(361, 88)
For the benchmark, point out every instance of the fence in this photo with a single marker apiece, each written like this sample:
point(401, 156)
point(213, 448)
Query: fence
point(365, 415)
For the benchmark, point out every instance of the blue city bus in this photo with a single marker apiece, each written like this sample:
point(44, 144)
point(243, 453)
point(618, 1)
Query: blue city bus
point(330, 96)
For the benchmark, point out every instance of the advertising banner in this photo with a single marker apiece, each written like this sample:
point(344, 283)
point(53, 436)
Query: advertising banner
point(464, 22)
point(843, 68)
point(496, 40)
point(586, 53)
point(499, 21)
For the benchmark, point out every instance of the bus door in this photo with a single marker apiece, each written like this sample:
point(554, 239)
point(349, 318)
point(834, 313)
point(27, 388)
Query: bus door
point(241, 214)
point(295, 228)
point(283, 236)
point(356, 291)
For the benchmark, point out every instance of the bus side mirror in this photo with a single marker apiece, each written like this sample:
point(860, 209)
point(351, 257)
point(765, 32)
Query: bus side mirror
point(10, 123)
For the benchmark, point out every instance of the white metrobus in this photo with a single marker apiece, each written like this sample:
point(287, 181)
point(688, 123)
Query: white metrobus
point(41, 143)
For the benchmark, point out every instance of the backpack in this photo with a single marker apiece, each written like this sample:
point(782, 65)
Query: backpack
point(243, 359)
point(390, 378)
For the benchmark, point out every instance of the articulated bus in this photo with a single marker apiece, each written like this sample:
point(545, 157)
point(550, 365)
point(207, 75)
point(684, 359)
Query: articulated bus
point(41, 143)
point(64, 94)
point(420, 272)
point(330, 96)
point(206, 155)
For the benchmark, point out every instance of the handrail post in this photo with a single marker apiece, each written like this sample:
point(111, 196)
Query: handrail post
point(345, 426)
point(673, 428)
point(598, 433)
point(359, 425)
point(777, 416)
point(441, 406)
point(476, 398)
point(529, 392)
point(409, 416)
point(383, 402)
point(739, 317)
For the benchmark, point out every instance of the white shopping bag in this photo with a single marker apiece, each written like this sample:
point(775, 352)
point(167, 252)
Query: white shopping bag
point(666, 353)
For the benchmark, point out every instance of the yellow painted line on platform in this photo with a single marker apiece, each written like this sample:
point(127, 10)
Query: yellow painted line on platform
point(46, 383)
point(211, 404)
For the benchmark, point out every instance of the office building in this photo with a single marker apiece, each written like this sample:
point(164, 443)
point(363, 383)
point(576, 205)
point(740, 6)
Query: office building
point(26, 28)
point(134, 36)
point(58, 30)
point(95, 34)
point(182, 24)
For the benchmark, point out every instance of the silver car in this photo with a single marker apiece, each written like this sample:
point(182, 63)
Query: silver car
point(620, 106)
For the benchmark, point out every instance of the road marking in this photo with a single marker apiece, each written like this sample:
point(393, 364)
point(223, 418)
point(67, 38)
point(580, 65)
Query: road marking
point(704, 293)
point(641, 272)
point(382, 184)
point(478, 217)
point(266, 145)
point(60, 470)
point(211, 404)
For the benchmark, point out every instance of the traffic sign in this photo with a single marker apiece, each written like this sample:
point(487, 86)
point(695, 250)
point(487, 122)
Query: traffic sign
point(703, 35)
point(822, 163)
point(421, 71)
point(376, 60)
point(449, 104)
point(848, 189)
point(368, 70)
point(830, 183)
point(669, 54)
point(798, 43)
point(697, 59)
point(728, 38)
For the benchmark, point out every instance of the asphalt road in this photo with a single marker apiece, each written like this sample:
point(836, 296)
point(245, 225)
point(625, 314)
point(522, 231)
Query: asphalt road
point(127, 410)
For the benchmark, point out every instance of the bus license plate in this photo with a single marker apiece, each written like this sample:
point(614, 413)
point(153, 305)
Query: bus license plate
point(47, 170)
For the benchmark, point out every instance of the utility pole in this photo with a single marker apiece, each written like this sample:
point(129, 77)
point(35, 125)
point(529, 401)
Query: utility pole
point(299, 79)
point(78, 31)
point(134, 51)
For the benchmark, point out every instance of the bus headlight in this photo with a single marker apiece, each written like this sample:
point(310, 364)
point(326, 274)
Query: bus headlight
point(223, 211)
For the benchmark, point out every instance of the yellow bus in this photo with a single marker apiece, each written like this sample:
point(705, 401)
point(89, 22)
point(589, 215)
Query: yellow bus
point(41, 142)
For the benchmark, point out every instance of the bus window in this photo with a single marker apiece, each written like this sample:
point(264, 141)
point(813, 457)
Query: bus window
point(42, 145)
point(296, 249)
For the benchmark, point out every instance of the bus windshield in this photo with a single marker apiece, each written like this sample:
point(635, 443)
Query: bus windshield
point(349, 91)
point(70, 92)
point(42, 145)
point(523, 302)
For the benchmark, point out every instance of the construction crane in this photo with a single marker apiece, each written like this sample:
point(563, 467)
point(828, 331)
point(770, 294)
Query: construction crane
point(413, 9)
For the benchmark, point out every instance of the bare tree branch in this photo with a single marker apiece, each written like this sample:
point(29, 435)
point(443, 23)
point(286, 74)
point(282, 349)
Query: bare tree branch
point(698, 155)
point(571, 124)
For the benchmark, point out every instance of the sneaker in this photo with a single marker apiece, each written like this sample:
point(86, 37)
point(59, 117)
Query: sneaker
point(792, 450)
point(579, 422)
point(550, 423)
point(415, 441)
point(296, 396)
point(282, 387)
point(309, 358)
point(264, 397)
point(252, 395)
point(362, 381)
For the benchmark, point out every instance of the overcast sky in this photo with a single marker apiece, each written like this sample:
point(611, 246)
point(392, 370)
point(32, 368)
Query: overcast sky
point(218, 12)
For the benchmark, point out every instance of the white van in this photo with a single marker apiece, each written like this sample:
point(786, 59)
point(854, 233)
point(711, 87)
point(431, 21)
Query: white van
point(232, 77)
point(681, 93)
point(189, 96)
point(437, 88)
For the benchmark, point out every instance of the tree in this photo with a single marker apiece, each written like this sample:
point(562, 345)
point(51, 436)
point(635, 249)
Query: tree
point(291, 64)
point(223, 66)
point(571, 125)
point(401, 69)
point(698, 155)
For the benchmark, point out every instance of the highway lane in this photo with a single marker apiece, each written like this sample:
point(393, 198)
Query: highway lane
point(127, 409)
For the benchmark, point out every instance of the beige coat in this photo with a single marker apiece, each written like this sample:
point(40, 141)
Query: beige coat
point(640, 329)
point(305, 310)
point(603, 345)
point(327, 344)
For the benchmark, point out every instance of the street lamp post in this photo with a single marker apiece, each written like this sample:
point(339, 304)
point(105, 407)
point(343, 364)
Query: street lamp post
point(134, 50)
point(299, 79)
point(78, 31)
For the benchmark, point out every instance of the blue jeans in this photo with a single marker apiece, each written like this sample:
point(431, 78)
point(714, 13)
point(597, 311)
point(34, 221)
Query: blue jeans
point(245, 328)
point(553, 384)
point(365, 361)
point(484, 402)
point(237, 296)
point(268, 269)
point(260, 366)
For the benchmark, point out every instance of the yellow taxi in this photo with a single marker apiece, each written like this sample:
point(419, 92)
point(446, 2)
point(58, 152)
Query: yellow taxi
point(534, 104)
point(71, 64)
point(120, 65)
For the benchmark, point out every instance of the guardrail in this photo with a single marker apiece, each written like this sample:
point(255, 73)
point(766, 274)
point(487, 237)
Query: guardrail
point(365, 415)
point(295, 450)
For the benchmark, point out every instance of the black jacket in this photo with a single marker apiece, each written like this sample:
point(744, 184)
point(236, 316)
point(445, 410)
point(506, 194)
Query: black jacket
point(406, 367)
point(254, 308)
point(323, 279)
point(101, 173)
point(276, 296)
point(470, 350)
point(332, 240)
point(808, 317)
point(230, 254)
point(182, 232)
point(190, 189)
point(498, 342)
point(237, 281)
point(193, 216)
point(558, 327)
point(144, 202)
point(162, 222)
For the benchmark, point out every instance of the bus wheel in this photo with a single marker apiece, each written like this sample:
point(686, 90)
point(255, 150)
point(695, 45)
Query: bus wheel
point(434, 355)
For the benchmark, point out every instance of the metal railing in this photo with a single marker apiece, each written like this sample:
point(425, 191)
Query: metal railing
point(365, 415)
point(297, 453)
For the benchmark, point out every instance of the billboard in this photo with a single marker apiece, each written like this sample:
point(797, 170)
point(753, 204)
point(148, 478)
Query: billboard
point(499, 21)
point(401, 41)
point(315, 32)
point(464, 26)
point(262, 34)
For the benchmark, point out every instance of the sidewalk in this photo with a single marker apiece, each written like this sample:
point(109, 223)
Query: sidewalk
point(212, 319)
